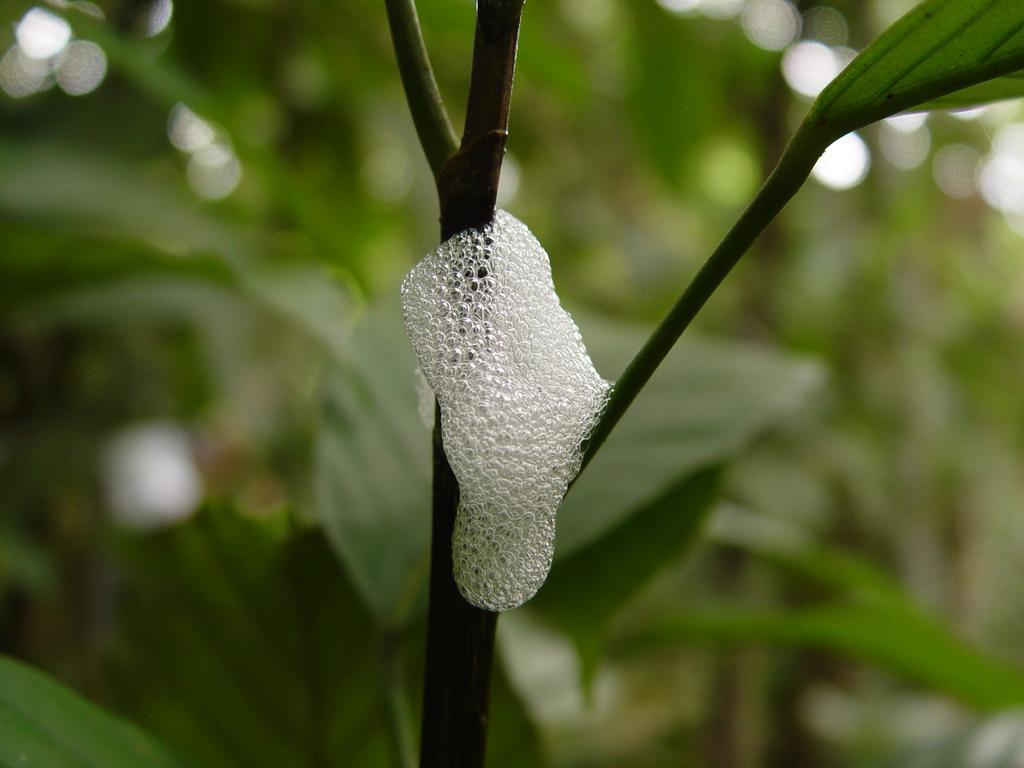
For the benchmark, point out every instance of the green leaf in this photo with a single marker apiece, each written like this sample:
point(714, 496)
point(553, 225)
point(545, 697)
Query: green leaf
point(80, 193)
point(372, 466)
point(789, 549)
point(38, 267)
point(242, 641)
point(940, 47)
point(373, 453)
point(512, 740)
point(589, 587)
point(1000, 89)
point(75, 190)
point(45, 725)
point(896, 640)
point(706, 402)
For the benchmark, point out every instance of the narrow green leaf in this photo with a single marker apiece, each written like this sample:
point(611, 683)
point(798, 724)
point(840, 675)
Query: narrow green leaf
point(940, 47)
point(789, 549)
point(896, 640)
point(45, 725)
point(1000, 89)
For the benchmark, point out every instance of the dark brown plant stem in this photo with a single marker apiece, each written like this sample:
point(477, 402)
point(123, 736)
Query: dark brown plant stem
point(468, 183)
point(460, 637)
point(460, 645)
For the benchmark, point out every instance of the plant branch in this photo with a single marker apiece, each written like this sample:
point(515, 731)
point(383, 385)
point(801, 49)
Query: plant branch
point(468, 182)
point(433, 127)
point(460, 637)
point(784, 182)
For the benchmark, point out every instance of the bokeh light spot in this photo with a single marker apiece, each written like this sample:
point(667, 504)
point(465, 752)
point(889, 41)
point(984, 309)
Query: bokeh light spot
point(214, 171)
point(1001, 177)
point(81, 68)
point(21, 75)
point(728, 172)
point(508, 182)
point(844, 164)
point(954, 169)
point(720, 9)
point(967, 114)
point(679, 6)
point(387, 172)
point(808, 66)
point(150, 476)
point(903, 149)
point(187, 131)
point(771, 24)
point(42, 34)
point(907, 123)
point(156, 17)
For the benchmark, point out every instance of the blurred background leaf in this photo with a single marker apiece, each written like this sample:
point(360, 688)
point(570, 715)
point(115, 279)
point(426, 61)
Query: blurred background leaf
point(708, 400)
point(373, 466)
point(44, 723)
point(899, 641)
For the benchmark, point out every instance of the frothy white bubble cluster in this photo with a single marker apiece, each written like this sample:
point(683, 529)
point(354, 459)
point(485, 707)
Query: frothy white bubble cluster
point(518, 394)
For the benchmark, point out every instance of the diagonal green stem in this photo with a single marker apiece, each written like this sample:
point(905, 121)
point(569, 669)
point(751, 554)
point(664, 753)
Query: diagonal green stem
point(421, 92)
point(789, 175)
point(837, 111)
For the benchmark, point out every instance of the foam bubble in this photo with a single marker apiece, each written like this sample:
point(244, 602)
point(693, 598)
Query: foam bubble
point(519, 395)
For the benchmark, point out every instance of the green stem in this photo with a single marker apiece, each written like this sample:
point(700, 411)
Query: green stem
point(421, 92)
point(789, 175)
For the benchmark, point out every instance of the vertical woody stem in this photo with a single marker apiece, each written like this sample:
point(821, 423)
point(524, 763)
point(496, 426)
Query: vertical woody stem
point(460, 637)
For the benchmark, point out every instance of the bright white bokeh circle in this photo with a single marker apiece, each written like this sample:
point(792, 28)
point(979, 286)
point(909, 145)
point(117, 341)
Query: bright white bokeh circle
point(844, 164)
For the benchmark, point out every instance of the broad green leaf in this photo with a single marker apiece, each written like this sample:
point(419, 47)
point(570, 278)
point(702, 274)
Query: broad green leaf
point(242, 641)
point(45, 725)
point(372, 466)
point(589, 587)
point(705, 403)
point(76, 191)
point(79, 193)
point(940, 47)
point(899, 641)
point(373, 452)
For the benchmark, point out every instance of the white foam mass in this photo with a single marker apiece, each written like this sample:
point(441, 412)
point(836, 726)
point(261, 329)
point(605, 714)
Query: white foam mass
point(519, 395)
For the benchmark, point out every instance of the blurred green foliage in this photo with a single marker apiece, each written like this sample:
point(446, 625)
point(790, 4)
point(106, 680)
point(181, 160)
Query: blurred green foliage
point(854, 447)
